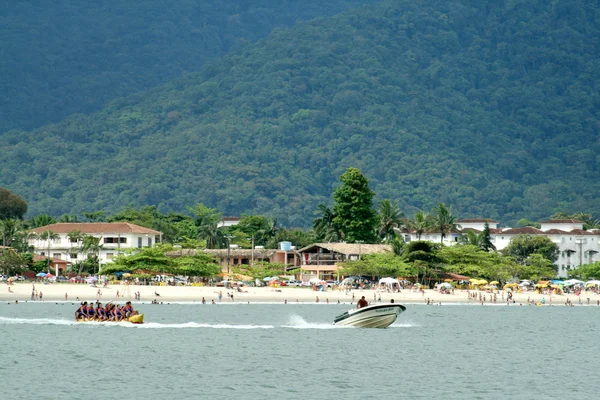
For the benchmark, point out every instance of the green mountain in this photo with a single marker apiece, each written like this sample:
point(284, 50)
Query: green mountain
point(490, 106)
point(61, 57)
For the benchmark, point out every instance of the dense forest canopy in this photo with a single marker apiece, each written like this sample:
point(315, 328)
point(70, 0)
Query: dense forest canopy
point(491, 106)
point(61, 57)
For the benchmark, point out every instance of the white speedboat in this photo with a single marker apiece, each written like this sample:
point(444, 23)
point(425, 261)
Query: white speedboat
point(374, 316)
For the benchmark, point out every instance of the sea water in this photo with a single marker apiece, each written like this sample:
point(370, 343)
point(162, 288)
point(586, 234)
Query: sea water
point(292, 351)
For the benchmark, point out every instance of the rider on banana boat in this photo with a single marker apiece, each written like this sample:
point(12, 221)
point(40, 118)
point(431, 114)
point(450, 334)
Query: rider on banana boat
point(91, 313)
point(81, 312)
point(100, 312)
point(110, 312)
point(119, 313)
point(129, 311)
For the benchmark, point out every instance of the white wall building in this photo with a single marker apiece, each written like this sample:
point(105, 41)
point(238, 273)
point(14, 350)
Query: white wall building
point(576, 246)
point(114, 238)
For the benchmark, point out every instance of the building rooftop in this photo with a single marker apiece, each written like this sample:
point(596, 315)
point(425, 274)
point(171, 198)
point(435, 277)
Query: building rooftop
point(91, 228)
point(350, 248)
point(527, 230)
point(562, 221)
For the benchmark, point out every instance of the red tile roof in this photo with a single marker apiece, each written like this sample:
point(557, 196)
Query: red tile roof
point(556, 232)
point(562, 221)
point(96, 228)
point(581, 232)
point(465, 230)
point(528, 230)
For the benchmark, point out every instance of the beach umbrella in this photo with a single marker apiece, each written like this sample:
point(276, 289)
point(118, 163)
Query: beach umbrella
point(40, 274)
point(49, 276)
point(448, 280)
point(126, 275)
point(445, 285)
point(388, 280)
point(315, 280)
point(494, 282)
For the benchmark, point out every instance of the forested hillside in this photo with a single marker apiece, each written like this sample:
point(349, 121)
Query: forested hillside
point(61, 57)
point(490, 106)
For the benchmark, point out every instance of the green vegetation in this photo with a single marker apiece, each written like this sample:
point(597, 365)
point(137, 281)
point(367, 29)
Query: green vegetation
point(490, 106)
point(588, 271)
point(154, 260)
point(353, 208)
point(11, 205)
point(65, 57)
point(523, 246)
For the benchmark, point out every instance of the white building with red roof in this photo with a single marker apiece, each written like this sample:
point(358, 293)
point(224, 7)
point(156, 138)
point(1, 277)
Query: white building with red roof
point(114, 238)
point(576, 245)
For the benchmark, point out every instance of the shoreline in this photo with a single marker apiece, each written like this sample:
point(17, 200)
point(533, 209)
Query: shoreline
point(55, 292)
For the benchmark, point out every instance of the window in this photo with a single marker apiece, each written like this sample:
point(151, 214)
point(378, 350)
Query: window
point(73, 240)
point(110, 240)
point(73, 255)
point(149, 242)
point(56, 255)
point(140, 242)
point(42, 253)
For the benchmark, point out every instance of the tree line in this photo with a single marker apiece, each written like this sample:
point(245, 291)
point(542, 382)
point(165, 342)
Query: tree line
point(353, 218)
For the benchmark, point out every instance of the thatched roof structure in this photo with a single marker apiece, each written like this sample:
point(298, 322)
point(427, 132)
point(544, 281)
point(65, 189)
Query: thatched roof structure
point(223, 253)
point(349, 248)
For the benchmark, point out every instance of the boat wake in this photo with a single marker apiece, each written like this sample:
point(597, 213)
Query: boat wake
point(149, 325)
point(295, 322)
point(188, 325)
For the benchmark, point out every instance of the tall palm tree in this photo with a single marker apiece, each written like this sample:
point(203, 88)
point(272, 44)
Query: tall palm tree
point(76, 237)
point(9, 228)
point(207, 226)
point(471, 238)
point(48, 236)
point(390, 217)
point(42, 220)
point(420, 223)
point(92, 246)
point(323, 225)
point(266, 232)
point(443, 220)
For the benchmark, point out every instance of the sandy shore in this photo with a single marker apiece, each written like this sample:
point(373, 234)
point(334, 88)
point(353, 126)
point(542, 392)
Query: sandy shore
point(56, 292)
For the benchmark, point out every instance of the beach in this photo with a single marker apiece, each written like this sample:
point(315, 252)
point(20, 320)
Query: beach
point(22, 292)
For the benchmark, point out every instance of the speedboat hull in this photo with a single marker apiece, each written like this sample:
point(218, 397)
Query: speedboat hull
point(375, 316)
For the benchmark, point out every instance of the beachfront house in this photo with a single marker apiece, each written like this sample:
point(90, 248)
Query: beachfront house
point(322, 260)
point(235, 257)
point(576, 245)
point(114, 238)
